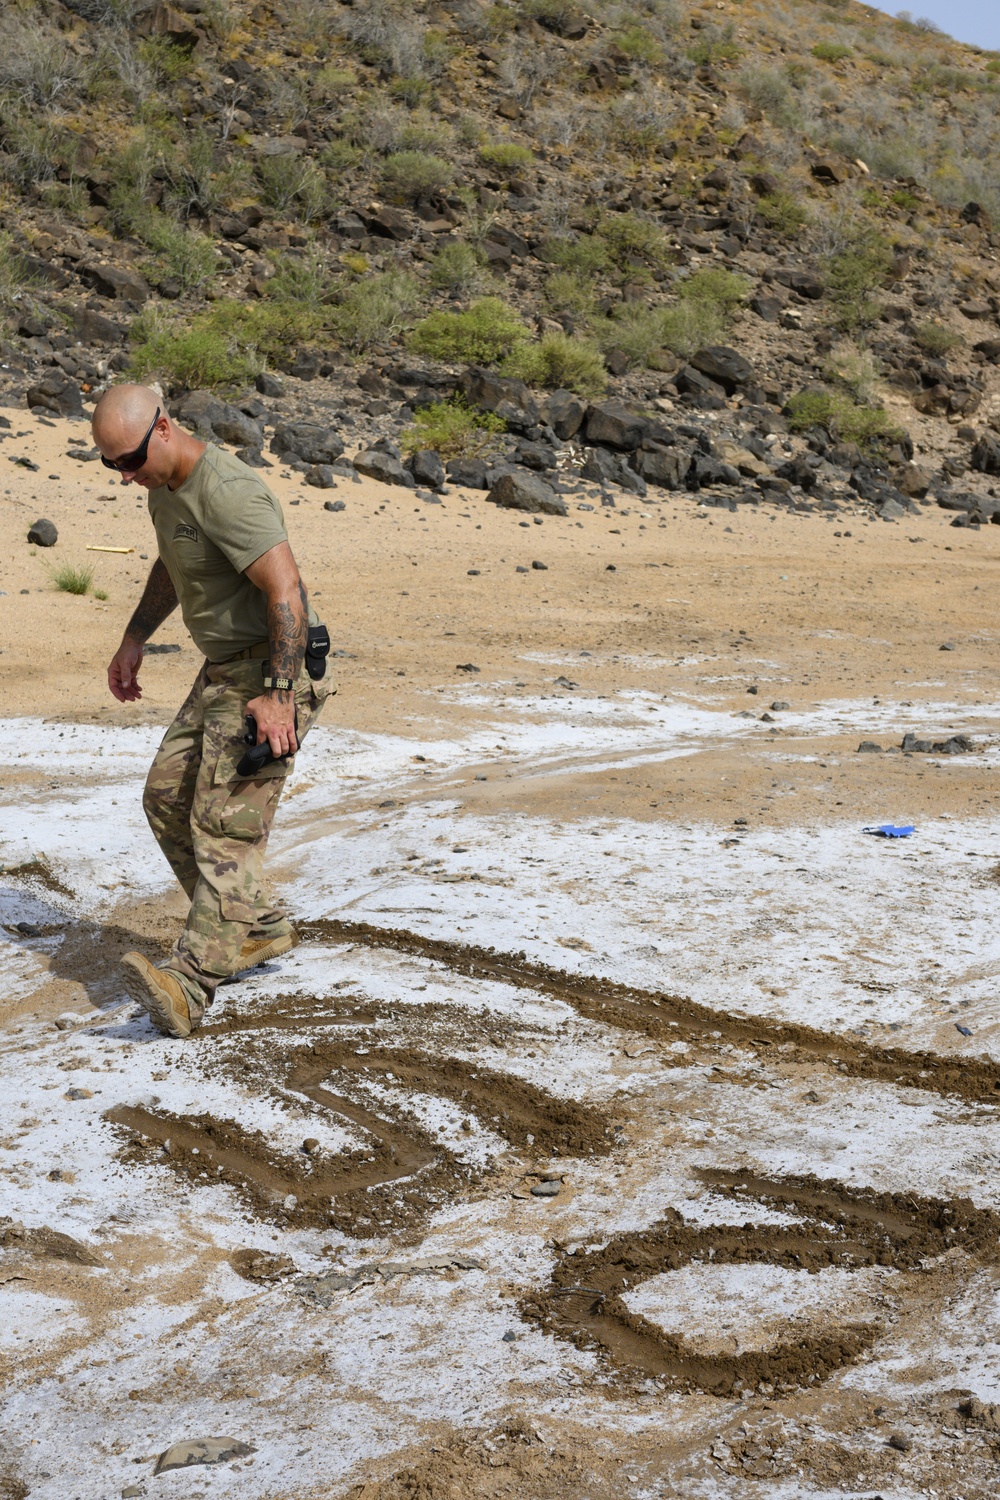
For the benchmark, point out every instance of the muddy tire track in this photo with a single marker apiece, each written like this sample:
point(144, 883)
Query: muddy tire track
point(664, 1017)
point(842, 1227)
point(402, 1172)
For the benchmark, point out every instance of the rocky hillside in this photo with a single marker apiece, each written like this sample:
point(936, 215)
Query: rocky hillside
point(742, 249)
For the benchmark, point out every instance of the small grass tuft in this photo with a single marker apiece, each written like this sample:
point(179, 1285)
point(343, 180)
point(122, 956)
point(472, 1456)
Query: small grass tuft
point(935, 338)
point(868, 426)
point(831, 51)
point(72, 578)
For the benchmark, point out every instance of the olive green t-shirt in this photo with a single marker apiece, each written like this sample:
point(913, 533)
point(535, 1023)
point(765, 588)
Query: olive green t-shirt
point(218, 522)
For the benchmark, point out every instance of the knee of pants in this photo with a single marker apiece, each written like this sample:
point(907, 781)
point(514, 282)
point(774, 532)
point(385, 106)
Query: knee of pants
point(161, 803)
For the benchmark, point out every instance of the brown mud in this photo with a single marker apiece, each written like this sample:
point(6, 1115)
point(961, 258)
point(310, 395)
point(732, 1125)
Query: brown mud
point(344, 1191)
point(842, 1227)
point(664, 1017)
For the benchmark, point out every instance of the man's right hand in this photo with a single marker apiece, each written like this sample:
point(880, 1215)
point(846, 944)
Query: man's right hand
point(123, 671)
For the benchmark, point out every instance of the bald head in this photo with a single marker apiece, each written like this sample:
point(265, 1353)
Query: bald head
point(122, 416)
point(126, 425)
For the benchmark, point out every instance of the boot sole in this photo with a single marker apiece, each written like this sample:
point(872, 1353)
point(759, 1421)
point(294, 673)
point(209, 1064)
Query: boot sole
point(263, 954)
point(141, 982)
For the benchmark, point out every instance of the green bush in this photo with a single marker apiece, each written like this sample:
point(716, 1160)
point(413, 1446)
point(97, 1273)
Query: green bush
point(587, 254)
point(376, 309)
point(854, 275)
point(423, 133)
point(294, 183)
point(630, 240)
point(484, 335)
point(831, 51)
point(71, 579)
point(567, 291)
point(452, 429)
point(640, 45)
point(936, 339)
point(506, 156)
point(340, 156)
point(723, 290)
point(714, 46)
point(182, 253)
point(560, 362)
point(413, 174)
point(844, 420)
point(456, 268)
point(228, 344)
point(302, 279)
point(783, 214)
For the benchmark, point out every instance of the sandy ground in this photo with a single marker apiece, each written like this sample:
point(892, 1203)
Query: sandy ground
point(750, 1064)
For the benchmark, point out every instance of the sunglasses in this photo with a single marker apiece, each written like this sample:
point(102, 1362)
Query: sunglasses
point(133, 461)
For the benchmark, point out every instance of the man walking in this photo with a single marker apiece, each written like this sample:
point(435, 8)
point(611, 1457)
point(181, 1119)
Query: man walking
point(224, 558)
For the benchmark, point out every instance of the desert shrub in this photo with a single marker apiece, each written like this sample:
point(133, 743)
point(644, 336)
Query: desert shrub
point(72, 578)
point(376, 309)
point(640, 45)
point(548, 12)
point(586, 255)
point(181, 253)
point(132, 171)
point(631, 240)
point(37, 67)
point(499, 21)
point(422, 133)
point(453, 429)
point(567, 291)
point(484, 335)
point(302, 279)
point(768, 90)
point(31, 149)
point(340, 156)
point(523, 71)
point(856, 370)
point(294, 184)
point(333, 81)
point(935, 338)
point(387, 36)
point(227, 345)
point(638, 122)
point(855, 275)
point(843, 419)
point(506, 156)
point(155, 54)
point(16, 280)
point(413, 174)
point(714, 287)
point(456, 268)
point(993, 66)
point(560, 362)
point(783, 213)
point(640, 332)
point(714, 45)
point(831, 51)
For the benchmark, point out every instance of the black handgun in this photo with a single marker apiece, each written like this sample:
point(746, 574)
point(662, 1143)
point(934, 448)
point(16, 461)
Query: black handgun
point(259, 756)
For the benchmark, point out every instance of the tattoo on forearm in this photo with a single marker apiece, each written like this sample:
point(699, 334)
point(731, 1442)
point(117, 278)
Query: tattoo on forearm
point(158, 601)
point(287, 625)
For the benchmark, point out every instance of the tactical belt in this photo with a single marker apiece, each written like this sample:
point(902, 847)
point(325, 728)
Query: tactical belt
point(317, 650)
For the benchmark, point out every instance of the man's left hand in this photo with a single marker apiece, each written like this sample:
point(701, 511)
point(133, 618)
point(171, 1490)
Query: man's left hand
point(275, 722)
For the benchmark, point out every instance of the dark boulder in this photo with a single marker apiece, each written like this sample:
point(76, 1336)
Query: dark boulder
point(989, 349)
point(94, 328)
point(209, 417)
point(520, 491)
point(724, 366)
point(707, 471)
point(58, 393)
point(666, 467)
point(535, 455)
point(986, 455)
point(320, 477)
point(308, 441)
point(615, 425)
point(470, 473)
point(564, 413)
point(613, 468)
point(113, 281)
point(491, 392)
point(269, 384)
point(427, 468)
point(43, 534)
point(691, 382)
point(808, 284)
point(376, 464)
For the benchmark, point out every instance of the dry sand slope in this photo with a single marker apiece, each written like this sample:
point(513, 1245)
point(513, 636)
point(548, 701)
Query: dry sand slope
point(612, 1133)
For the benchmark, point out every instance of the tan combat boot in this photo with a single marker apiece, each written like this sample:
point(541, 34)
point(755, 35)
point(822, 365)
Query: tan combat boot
point(160, 993)
point(259, 950)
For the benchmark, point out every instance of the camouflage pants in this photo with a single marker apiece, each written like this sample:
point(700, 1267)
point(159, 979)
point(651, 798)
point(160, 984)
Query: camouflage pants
point(213, 827)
